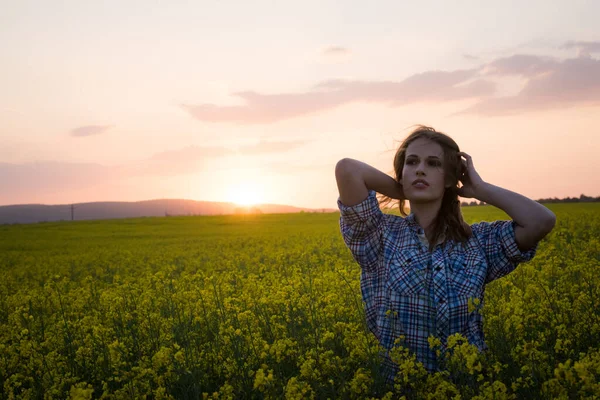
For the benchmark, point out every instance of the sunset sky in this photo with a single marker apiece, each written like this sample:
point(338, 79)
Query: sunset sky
point(256, 101)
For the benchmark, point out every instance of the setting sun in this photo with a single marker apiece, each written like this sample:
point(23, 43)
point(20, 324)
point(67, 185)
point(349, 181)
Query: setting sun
point(245, 194)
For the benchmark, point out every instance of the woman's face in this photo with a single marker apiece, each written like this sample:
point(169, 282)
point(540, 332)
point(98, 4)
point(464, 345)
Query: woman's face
point(424, 160)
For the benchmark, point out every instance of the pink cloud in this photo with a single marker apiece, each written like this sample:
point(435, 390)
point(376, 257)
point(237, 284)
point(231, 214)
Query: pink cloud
point(35, 179)
point(550, 84)
point(470, 57)
point(336, 51)
point(584, 48)
point(428, 86)
point(521, 64)
point(89, 130)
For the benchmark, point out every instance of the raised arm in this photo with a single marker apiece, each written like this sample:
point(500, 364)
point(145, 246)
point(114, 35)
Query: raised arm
point(533, 220)
point(362, 223)
point(355, 179)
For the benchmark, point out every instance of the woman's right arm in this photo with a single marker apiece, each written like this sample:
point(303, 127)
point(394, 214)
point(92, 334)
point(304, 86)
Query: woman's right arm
point(355, 179)
point(362, 223)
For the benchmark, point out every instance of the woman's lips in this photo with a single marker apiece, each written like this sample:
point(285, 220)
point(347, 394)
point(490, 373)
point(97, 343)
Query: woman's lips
point(420, 185)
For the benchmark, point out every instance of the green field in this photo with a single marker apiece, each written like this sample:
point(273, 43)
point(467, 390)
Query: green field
point(268, 306)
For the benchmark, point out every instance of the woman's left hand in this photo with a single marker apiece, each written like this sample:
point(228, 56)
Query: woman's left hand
point(470, 179)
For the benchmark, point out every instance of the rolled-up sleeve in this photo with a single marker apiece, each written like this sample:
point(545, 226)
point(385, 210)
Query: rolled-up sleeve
point(363, 227)
point(501, 249)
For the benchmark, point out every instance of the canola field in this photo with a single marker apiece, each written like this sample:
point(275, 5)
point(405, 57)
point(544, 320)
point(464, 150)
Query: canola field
point(269, 306)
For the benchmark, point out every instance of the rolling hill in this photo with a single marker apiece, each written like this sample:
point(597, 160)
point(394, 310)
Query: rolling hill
point(32, 213)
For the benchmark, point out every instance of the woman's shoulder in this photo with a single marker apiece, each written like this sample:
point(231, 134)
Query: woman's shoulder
point(492, 229)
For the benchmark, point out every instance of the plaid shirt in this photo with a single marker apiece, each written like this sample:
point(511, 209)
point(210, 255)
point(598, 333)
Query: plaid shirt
point(410, 291)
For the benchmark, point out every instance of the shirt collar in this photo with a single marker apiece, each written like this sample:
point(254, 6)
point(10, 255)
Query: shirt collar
point(414, 225)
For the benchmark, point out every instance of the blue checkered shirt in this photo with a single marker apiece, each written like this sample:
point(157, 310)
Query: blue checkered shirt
point(408, 290)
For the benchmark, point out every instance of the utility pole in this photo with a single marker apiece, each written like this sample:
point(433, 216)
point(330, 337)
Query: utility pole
point(73, 212)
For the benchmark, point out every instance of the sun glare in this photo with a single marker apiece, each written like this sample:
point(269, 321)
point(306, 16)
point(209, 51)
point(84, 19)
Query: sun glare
point(245, 194)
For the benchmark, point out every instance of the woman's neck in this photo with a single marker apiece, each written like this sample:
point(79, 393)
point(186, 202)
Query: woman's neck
point(425, 215)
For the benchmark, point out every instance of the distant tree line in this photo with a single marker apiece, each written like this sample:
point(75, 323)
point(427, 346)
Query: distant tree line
point(581, 199)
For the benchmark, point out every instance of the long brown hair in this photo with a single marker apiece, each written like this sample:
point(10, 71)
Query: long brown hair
point(449, 215)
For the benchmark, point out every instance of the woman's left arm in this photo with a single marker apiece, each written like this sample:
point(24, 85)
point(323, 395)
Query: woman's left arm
point(533, 220)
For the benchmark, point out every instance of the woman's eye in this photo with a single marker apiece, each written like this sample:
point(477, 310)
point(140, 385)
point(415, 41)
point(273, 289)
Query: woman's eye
point(433, 163)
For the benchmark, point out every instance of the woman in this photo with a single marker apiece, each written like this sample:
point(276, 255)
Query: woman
point(420, 270)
